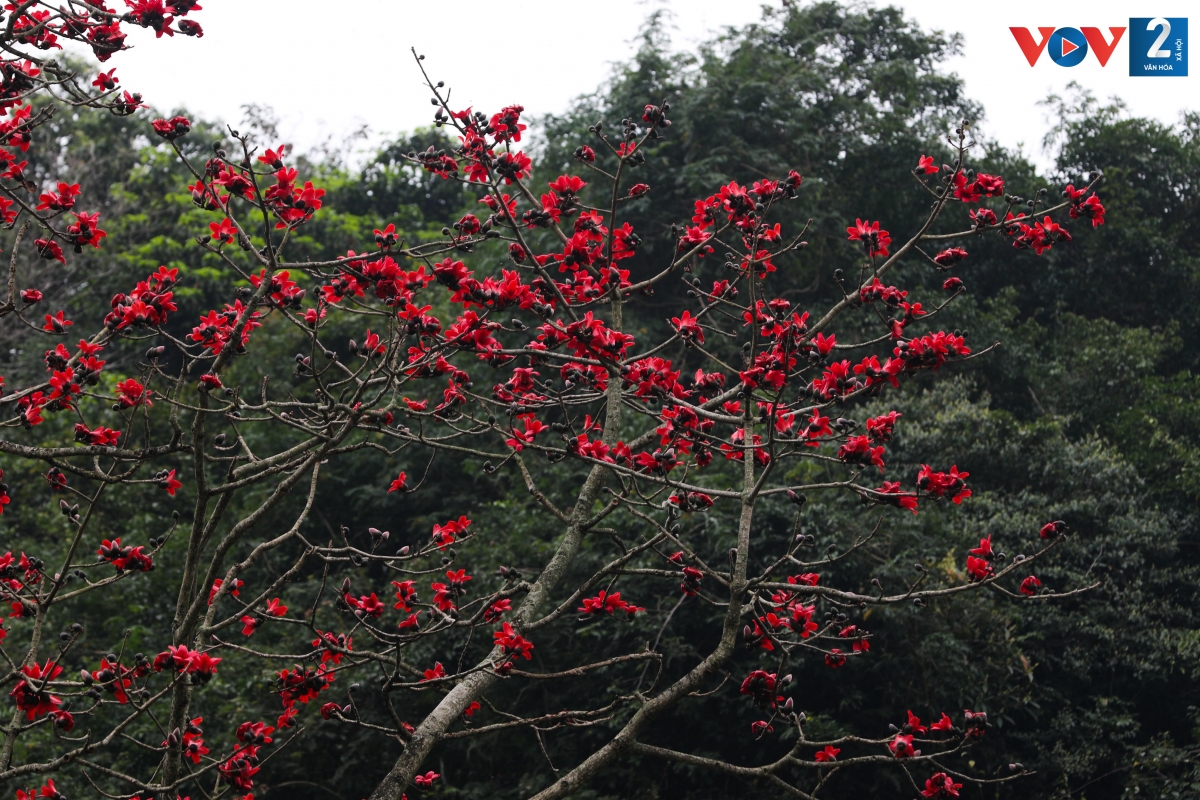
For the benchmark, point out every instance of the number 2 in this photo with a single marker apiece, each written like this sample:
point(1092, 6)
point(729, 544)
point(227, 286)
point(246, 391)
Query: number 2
point(1155, 51)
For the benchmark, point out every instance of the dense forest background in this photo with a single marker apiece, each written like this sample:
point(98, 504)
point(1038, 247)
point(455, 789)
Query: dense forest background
point(1088, 412)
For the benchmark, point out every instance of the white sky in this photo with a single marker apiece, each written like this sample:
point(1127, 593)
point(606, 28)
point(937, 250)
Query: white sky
point(329, 68)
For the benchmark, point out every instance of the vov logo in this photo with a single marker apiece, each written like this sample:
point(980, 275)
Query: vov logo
point(1067, 47)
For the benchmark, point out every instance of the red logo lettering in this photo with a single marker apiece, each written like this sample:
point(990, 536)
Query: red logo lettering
point(1101, 48)
point(1033, 50)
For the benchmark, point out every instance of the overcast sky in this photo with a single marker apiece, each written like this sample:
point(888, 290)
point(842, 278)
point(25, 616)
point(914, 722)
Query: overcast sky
point(330, 68)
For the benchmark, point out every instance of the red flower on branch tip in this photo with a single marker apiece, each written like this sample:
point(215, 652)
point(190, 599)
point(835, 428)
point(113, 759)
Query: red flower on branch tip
point(47, 792)
point(902, 746)
point(830, 753)
point(57, 323)
point(940, 785)
point(426, 780)
point(169, 483)
point(273, 158)
point(1052, 529)
point(978, 568)
point(926, 166)
point(512, 643)
point(225, 231)
point(949, 257)
point(497, 609)
point(36, 702)
point(892, 493)
point(1030, 585)
point(218, 583)
point(985, 547)
point(173, 128)
point(608, 603)
point(688, 327)
point(875, 240)
point(942, 484)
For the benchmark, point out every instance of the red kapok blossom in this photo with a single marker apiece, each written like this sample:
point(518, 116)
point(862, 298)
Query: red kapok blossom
point(829, 753)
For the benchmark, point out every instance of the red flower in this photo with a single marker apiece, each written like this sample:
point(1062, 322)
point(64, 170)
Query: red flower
point(688, 327)
point(285, 719)
point(255, 733)
point(171, 129)
point(835, 658)
point(56, 323)
point(824, 345)
point(1090, 208)
point(978, 568)
point(446, 535)
point(36, 702)
point(240, 768)
point(438, 671)
point(102, 436)
point(941, 785)
point(274, 158)
point(61, 200)
point(760, 686)
point(399, 483)
point(830, 753)
point(608, 603)
point(364, 605)
point(894, 495)
point(950, 257)
point(925, 165)
point(513, 643)
point(426, 780)
point(985, 547)
point(512, 167)
point(902, 746)
point(882, 427)
point(858, 450)
point(875, 240)
point(1030, 585)
point(943, 724)
point(224, 230)
point(941, 484)
point(216, 587)
point(1052, 529)
point(497, 610)
point(130, 393)
point(170, 484)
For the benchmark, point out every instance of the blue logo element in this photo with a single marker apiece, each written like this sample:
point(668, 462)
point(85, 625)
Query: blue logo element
point(1158, 46)
point(1067, 47)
